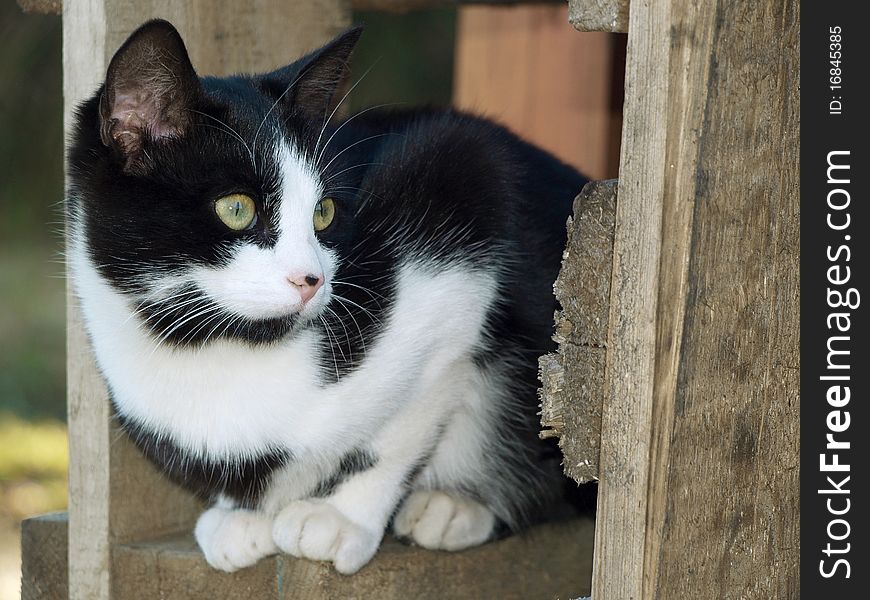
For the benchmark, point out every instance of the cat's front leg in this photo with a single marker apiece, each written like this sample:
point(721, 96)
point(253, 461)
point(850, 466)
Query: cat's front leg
point(317, 530)
point(234, 538)
point(347, 526)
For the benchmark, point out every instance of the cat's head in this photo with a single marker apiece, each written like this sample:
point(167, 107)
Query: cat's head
point(213, 204)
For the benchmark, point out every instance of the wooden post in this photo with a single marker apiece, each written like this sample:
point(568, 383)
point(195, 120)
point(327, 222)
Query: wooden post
point(699, 457)
point(115, 496)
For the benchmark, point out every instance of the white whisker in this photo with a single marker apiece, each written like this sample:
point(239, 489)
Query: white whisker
point(331, 347)
point(358, 142)
point(337, 106)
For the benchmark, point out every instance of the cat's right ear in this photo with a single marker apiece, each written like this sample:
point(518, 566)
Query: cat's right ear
point(150, 85)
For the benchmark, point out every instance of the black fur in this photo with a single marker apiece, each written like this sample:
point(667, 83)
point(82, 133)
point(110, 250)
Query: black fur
point(353, 462)
point(242, 480)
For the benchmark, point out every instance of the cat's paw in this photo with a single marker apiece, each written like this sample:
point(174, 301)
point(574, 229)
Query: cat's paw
point(232, 539)
point(318, 531)
point(441, 521)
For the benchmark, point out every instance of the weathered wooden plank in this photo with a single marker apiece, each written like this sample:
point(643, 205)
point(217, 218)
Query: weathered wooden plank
point(599, 15)
point(731, 477)
point(550, 561)
point(88, 415)
point(687, 95)
point(626, 427)
point(44, 557)
point(699, 488)
point(574, 377)
point(115, 496)
point(44, 7)
point(56, 6)
point(585, 15)
point(406, 5)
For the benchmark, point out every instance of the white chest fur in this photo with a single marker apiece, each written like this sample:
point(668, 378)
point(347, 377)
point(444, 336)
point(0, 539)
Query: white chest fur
point(231, 400)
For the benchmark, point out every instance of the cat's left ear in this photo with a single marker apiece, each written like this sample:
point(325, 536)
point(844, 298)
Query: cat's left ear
point(310, 83)
point(150, 85)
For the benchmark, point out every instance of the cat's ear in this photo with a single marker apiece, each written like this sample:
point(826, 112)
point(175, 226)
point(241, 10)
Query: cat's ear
point(310, 83)
point(149, 87)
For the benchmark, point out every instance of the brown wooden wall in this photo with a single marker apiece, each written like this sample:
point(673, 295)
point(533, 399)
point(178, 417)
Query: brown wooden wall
point(528, 68)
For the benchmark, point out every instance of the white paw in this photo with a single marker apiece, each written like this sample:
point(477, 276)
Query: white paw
point(318, 531)
point(439, 521)
point(232, 539)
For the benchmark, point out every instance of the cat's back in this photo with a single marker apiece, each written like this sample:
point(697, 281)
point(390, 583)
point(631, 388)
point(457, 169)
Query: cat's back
point(471, 149)
point(471, 163)
point(463, 188)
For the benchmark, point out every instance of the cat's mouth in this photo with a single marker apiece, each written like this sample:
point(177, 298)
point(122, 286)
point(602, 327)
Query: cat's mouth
point(190, 317)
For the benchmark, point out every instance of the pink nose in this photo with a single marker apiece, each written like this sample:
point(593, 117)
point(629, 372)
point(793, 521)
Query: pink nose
point(307, 285)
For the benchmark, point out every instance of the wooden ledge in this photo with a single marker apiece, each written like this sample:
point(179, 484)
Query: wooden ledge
point(553, 560)
point(44, 557)
point(585, 15)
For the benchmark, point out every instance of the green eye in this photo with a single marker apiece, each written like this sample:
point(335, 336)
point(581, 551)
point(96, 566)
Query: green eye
point(324, 213)
point(237, 211)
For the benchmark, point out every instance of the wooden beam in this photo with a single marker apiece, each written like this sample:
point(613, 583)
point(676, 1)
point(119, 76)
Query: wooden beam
point(115, 496)
point(407, 5)
point(625, 420)
point(544, 562)
point(56, 6)
point(585, 15)
point(699, 487)
point(599, 15)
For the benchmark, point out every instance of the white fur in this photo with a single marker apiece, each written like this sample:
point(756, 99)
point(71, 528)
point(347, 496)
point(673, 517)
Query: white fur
point(469, 439)
point(232, 539)
point(254, 284)
point(195, 396)
point(318, 531)
point(228, 400)
point(441, 521)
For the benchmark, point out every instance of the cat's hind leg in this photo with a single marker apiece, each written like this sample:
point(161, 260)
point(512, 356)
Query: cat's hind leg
point(444, 521)
point(484, 476)
point(439, 514)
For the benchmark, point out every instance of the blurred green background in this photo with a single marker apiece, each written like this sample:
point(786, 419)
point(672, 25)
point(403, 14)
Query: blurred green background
point(33, 447)
point(33, 452)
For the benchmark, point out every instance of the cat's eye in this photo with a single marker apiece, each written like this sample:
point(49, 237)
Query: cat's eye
point(237, 211)
point(324, 213)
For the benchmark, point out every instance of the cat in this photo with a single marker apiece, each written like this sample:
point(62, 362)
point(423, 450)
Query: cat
point(324, 327)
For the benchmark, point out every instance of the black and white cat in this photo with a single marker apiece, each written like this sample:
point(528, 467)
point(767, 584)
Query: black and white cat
point(324, 327)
